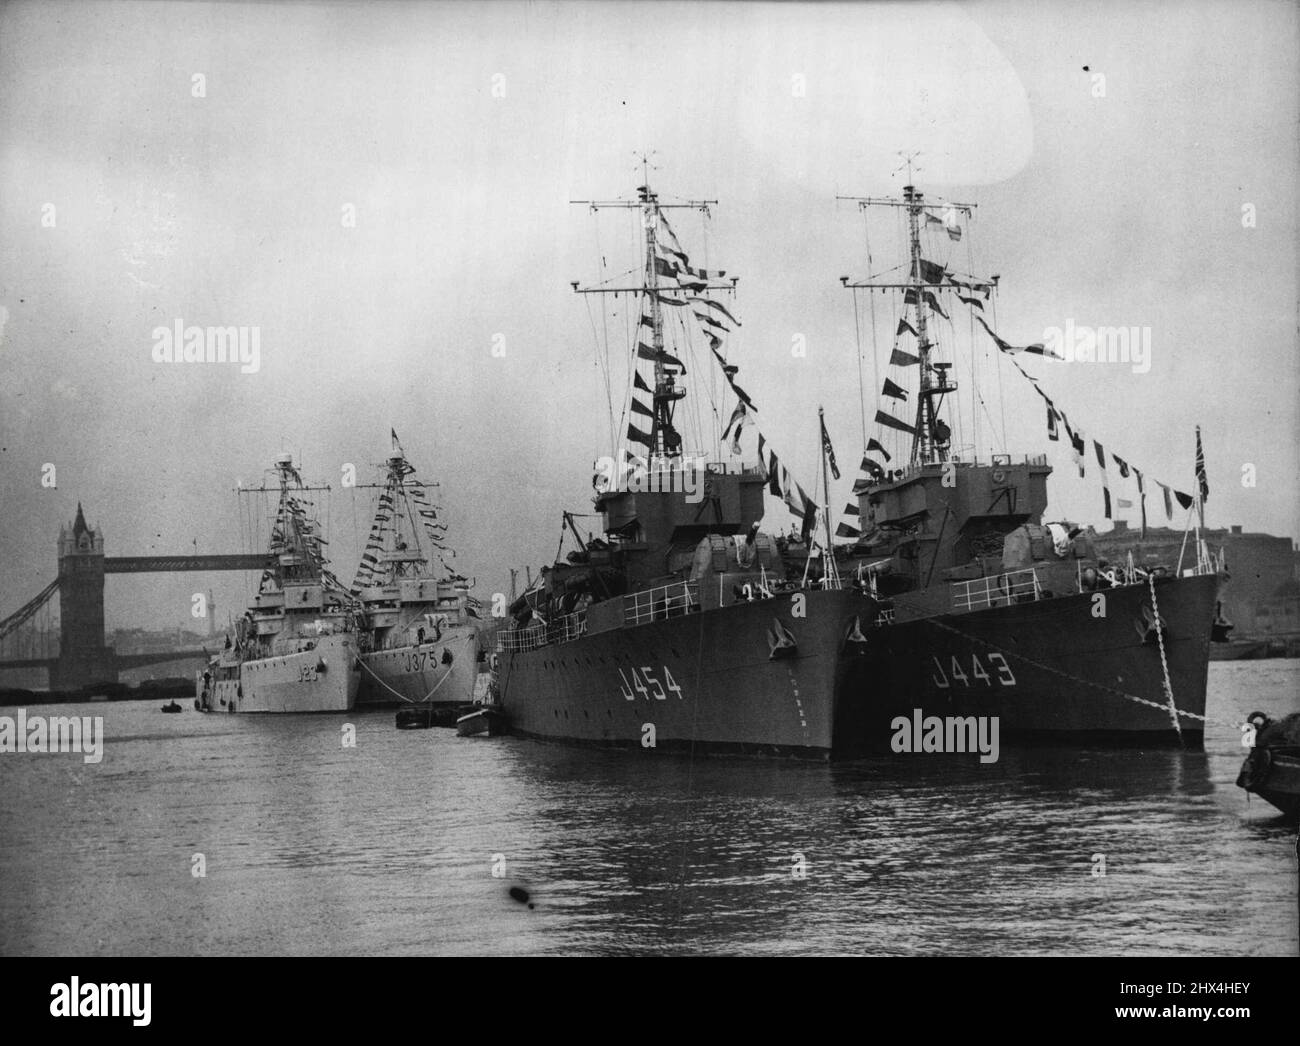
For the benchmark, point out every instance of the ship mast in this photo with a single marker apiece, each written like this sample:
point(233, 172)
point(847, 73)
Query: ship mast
point(398, 470)
point(403, 561)
point(665, 441)
point(826, 490)
point(661, 442)
point(921, 443)
point(927, 448)
point(650, 222)
point(297, 555)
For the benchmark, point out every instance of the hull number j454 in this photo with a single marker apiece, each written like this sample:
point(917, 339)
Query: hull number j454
point(648, 686)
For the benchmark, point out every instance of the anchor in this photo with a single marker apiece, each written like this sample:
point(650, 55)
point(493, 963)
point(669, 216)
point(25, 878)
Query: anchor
point(781, 642)
point(1147, 622)
point(855, 636)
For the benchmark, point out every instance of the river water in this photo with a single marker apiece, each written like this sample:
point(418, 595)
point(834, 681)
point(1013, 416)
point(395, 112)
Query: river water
point(419, 842)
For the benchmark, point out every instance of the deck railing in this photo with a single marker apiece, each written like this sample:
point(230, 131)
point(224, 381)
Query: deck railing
point(516, 639)
point(655, 604)
point(1016, 586)
point(562, 630)
point(567, 628)
point(639, 608)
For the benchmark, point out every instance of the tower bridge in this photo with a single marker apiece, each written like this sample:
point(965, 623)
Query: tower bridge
point(83, 656)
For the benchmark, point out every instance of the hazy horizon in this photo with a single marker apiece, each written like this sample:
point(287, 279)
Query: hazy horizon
point(133, 196)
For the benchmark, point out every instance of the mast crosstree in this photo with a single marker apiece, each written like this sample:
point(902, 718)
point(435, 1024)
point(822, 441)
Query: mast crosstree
point(931, 436)
point(665, 440)
point(296, 545)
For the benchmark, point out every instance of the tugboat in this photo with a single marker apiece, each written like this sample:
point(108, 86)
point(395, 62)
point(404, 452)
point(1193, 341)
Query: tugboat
point(1272, 769)
point(421, 645)
point(171, 707)
point(685, 627)
point(295, 649)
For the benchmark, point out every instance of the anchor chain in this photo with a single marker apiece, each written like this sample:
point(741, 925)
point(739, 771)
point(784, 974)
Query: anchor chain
point(1078, 679)
point(422, 700)
point(1164, 661)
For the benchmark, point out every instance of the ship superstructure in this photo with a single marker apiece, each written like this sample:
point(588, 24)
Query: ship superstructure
point(295, 649)
point(685, 626)
point(421, 642)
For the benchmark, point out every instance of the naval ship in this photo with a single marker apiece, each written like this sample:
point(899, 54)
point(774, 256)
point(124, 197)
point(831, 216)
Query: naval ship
point(295, 649)
point(420, 646)
point(686, 627)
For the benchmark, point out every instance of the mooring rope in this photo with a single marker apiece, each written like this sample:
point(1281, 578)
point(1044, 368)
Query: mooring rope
point(422, 700)
point(1079, 679)
point(1164, 662)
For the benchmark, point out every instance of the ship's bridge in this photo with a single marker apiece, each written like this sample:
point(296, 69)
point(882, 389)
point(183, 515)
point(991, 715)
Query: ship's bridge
point(951, 512)
point(967, 489)
point(682, 499)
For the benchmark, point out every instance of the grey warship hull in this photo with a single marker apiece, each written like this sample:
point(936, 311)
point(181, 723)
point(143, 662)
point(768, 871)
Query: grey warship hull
point(708, 682)
point(955, 600)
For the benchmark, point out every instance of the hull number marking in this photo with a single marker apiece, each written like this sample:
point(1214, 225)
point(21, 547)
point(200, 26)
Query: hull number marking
point(978, 673)
point(647, 685)
point(419, 660)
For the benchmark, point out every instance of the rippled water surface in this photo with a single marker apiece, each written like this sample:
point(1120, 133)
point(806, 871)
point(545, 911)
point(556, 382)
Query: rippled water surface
point(389, 847)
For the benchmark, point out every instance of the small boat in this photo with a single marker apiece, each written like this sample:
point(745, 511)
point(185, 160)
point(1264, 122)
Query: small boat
point(1272, 769)
point(421, 718)
point(172, 707)
point(424, 716)
point(486, 720)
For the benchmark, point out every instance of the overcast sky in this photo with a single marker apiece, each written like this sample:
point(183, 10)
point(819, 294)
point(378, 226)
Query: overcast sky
point(133, 195)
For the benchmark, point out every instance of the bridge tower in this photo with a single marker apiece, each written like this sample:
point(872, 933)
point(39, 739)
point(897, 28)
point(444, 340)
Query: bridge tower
point(83, 656)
